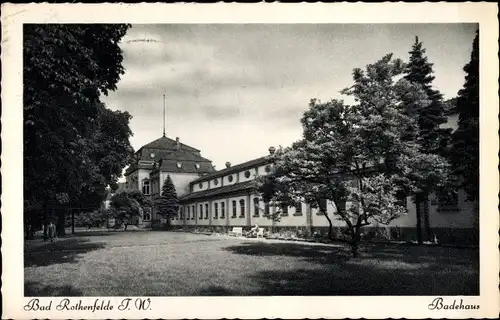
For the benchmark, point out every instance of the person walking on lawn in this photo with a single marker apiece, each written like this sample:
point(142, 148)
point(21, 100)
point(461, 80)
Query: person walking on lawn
point(52, 231)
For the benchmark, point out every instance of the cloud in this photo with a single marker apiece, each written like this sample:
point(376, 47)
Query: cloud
point(234, 90)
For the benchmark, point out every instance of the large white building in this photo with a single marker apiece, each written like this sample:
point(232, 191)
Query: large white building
point(227, 198)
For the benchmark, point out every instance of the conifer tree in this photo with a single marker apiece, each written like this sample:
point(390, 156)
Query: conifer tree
point(431, 137)
point(465, 140)
point(168, 202)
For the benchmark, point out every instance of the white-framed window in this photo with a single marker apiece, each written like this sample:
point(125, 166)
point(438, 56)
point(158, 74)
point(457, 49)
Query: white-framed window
point(146, 214)
point(235, 208)
point(146, 187)
point(222, 210)
point(448, 200)
point(256, 207)
point(216, 210)
point(242, 208)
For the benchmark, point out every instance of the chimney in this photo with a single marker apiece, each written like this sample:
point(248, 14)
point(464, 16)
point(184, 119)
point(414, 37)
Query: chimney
point(272, 150)
point(178, 144)
point(228, 164)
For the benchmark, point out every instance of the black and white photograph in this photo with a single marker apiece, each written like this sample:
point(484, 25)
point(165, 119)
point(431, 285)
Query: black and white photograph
point(332, 159)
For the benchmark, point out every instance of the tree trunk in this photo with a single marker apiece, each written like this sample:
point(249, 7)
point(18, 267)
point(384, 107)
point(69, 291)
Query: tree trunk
point(418, 201)
point(45, 224)
point(61, 219)
point(427, 225)
point(330, 227)
point(72, 222)
point(356, 237)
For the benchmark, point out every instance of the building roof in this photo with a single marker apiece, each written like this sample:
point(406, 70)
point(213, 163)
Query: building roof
point(230, 189)
point(236, 168)
point(186, 166)
point(167, 153)
point(165, 143)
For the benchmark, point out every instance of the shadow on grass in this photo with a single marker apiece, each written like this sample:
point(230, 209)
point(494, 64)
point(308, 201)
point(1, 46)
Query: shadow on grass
point(380, 270)
point(35, 289)
point(62, 251)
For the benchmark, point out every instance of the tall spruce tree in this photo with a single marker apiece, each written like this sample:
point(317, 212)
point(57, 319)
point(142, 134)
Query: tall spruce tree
point(432, 138)
point(465, 140)
point(168, 202)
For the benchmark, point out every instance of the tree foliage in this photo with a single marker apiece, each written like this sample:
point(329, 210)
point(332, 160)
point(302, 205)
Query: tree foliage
point(168, 202)
point(465, 141)
point(357, 154)
point(66, 127)
point(128, 205)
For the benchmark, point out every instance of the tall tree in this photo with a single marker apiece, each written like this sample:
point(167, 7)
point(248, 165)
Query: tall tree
point(356, 153)
point(430, 117)
point(465, 143)
point(66, 68)
point(168, 202)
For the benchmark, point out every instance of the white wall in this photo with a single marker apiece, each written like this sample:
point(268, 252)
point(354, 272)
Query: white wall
point(204, 186)
point(242, 178)
point(181, 181)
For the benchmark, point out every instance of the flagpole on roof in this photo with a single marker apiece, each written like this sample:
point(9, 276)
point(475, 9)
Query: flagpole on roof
point(164, 115)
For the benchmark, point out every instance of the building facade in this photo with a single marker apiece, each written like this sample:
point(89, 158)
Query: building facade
point(227, 198)
point(159, 159)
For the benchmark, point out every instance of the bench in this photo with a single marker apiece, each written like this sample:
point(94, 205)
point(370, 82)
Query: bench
point(236, 231)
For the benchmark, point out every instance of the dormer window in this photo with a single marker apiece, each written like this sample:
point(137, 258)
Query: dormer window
point(247, 174)
point(197, 166)
point(216, 182)
point(268, 169)
point(179, 165)
point(230, 178)
point(200, 185)
point(152, 155)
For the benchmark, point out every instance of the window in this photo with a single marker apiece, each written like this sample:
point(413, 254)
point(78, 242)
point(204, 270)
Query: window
point(187, 213)
point(234, 209)
point(242, 208)
point(222, 210)
point(230, 178)
point(216, 210)
point(401, 199)
point(268, 169)
point(200, 185)
point(298, 209)
point(284, 210)
point(146, 214)
point(255, 207)
point(247, 174)
point(448, 200)
point(145, 187)
point(193, 208)
point(216, 182)
point(201, 211)
point(206, 211)
point(266, 209)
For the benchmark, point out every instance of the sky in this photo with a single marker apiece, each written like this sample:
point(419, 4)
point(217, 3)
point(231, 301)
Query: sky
point(234, 90)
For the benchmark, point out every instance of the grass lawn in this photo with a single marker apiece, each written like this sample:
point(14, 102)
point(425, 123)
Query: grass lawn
point(148, 263)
